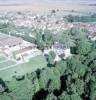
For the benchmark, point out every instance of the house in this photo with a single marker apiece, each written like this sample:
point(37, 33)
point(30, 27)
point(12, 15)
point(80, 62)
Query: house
point(92, 36)
point(60, 50)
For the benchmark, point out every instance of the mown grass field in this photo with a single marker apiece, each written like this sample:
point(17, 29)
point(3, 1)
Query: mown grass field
point(6, 64)
point(2, 58)
point(35, 63)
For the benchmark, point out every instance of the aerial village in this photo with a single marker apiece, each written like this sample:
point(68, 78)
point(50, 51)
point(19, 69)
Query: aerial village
point(21, 50)
point(47, 56)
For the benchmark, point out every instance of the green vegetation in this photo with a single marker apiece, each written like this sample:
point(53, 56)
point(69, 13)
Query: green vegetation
point(70, 79)
point(44, 39)
point(83, 46)
point(2, 58)
point(3, 86)
point(20, 69)
point(65, 38)
point(50, 58)
point(73, 78)
point(88, 18)
point(7, 64)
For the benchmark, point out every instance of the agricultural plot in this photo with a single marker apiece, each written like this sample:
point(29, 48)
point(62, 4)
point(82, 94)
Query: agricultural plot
point(35, 63)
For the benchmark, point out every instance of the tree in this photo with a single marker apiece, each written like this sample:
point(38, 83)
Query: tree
point(93, 66)
point(40, 43)
point(75, 97)
point(93, 90)
point(49, 79)
point(44, 78)
point(61, 66)
point(66, 39)
point(79, 86)
point(44, 39)
point(51, 97)
point(70, 18)
point(48, 38)
point(83, 46)
point(77, 33)
point(90, 58)
point(53, 11)
point(54, 81)
point(94, 44)
point(3, 86)
point(64, 96)
point(51, 58)
point(76, 67)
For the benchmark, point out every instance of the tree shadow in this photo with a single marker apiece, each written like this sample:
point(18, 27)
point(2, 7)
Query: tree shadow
point(40, 95)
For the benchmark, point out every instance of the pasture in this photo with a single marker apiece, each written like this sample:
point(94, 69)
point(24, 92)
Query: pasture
point(10, 68)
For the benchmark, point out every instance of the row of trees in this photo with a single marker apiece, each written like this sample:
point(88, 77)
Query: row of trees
point(46, 39)
point(87, 18)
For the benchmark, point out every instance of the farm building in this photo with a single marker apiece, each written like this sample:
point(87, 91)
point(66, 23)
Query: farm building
point(17, 47)
point(7, 42)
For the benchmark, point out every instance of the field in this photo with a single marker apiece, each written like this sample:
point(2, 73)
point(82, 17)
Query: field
point(71, 12)
point(2, 58)
point(7, 63)
point(9, 68)
point(43, 8)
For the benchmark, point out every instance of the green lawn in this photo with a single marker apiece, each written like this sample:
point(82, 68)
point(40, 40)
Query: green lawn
point(6, 64)
point(2, 58)
point(34, 64)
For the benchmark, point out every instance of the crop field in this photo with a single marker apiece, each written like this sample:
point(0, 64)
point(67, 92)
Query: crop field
point(43, 8)
point(9, 68)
